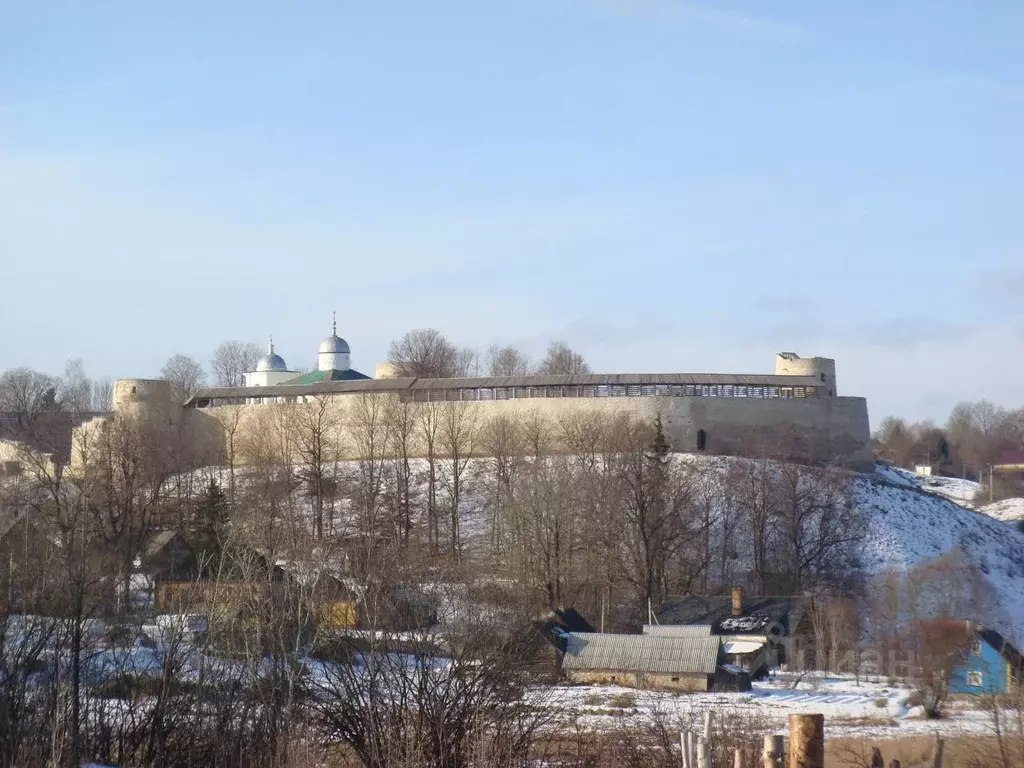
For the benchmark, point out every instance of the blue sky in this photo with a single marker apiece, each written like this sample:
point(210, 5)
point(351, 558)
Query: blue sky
point(667, 186)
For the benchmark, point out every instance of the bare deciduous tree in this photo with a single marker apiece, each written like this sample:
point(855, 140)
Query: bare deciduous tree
point(428, 432)
point(185, 374)
point(401, 494)
point(231, 360)
point(102, 394)
point(428, 353)
point(562, 360)
point(76, 387)
point(507, 361)
point(368, 430)
point(649, 507)
point(316, 438)
point(457, 435)
point(937, 646)
point(26, 397)
point(503, 445)
point(456, 697)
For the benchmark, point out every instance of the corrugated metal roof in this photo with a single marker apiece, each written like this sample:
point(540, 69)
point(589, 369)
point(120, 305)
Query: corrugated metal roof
point(678, 630)
point(642, 653)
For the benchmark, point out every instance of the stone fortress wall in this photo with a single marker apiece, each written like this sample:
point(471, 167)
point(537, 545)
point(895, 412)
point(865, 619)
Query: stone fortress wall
point(813, 425)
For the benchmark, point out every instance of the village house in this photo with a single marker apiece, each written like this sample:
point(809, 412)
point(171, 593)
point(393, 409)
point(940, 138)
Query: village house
point(992, 666)
point(746, 652)
point(755, 631)
point(652, 661)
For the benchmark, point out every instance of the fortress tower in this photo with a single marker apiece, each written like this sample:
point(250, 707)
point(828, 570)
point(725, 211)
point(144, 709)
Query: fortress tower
point(821, 368)
point(143, 398)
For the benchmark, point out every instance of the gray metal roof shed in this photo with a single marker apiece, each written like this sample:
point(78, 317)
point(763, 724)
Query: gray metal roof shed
point(653, 654)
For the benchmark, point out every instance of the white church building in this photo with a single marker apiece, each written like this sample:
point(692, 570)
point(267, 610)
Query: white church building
point(334, 363)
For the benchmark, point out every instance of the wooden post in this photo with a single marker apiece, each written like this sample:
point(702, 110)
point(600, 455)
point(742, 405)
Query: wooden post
point(877, 761)
point(806, 741)
point(895, 763)
point(937, 757)
point(693, 749)
point(684, 751)
point(772, 756)
point(737, 758)
point(707, 726)
point(703, 753)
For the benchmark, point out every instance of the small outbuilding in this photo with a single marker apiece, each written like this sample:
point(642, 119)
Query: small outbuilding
point(651, 661)
point(756, 630)
point(545, 642)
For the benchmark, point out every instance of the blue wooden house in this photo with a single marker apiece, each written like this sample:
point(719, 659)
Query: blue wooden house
point(992, 666)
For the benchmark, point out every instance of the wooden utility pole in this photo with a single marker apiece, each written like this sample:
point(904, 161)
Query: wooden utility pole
point(806, 741)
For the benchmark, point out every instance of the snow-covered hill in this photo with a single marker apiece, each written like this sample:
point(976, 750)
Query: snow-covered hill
point(908, 526)
point(963, 492)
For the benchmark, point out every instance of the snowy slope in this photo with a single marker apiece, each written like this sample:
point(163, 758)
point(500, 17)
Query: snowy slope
point(912, 519)
point(954, 488)
point(907, 526)
point(961, 491)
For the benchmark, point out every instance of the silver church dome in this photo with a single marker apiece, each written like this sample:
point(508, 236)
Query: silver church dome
point(271, 361)
point(334, 345)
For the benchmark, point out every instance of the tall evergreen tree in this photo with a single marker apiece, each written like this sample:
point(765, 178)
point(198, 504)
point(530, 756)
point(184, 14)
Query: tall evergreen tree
point(211, 522)
point(660, 447)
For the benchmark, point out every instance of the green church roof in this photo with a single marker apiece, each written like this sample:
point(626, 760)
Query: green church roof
point(315, 377)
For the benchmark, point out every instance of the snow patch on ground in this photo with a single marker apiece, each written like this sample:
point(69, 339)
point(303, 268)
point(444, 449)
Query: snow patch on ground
point(851, 708)
point(956, 489)
point(1007, 510)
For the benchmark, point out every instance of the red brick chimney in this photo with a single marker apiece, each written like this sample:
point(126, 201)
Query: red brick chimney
point(737, 601)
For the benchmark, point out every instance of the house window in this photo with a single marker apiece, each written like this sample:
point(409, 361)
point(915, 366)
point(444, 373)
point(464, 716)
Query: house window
point(976, 647)
point(675, 679)
point(974, 679)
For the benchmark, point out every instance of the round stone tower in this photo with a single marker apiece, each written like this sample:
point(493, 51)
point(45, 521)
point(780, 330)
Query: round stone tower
point(147, 399)
point(821, 368)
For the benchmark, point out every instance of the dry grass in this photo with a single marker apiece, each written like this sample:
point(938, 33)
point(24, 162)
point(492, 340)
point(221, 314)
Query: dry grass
point(961, 751)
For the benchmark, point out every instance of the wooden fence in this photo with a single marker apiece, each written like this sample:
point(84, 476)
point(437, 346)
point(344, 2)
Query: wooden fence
point(806, 748)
